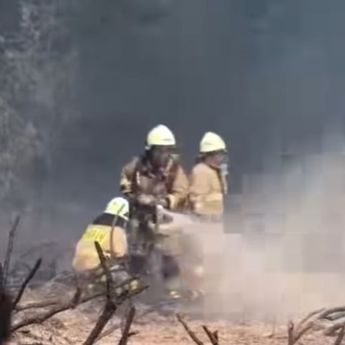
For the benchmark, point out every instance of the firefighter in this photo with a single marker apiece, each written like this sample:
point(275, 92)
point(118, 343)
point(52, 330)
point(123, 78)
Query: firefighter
point(109, 230)
point(207, 188)
point(208, 180)
point(156, 179)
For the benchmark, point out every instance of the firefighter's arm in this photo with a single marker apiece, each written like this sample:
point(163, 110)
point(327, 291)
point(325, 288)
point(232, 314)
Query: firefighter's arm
point(128, 189)
point(126, 180)
point(179, 193)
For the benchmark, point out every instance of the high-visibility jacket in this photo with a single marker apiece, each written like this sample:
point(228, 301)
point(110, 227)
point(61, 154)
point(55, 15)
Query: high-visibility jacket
point(112, 239)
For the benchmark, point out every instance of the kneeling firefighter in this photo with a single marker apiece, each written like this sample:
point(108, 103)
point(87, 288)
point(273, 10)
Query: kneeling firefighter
point(152, 181)
point(109, 230)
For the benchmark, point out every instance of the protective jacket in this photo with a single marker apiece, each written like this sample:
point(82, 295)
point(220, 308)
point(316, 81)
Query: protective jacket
point(206, 191)
point(138, 177)
point(109, 232)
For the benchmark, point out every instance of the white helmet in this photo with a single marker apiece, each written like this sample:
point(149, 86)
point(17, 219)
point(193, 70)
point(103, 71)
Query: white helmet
point(160, 136)
point(211, 142)
point(118, 207)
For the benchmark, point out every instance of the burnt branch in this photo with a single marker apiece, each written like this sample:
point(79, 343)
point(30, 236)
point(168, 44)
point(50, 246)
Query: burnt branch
point(110, 306)
point(188, 330)
point(118, 326)
point(36, 305)
point(331, 320)
point(26, 282)
point(291, 333)
point(126, 332)
point(57, 302)
point(109, 278)
point(61, 307)
point(112, 300)
point(2, 285)
point(5, 311)
point(308, 317)
point(5, 316)
point(108, 311)
point(340, 336)
point(331, 330)
point(213, 336)
point(11, 237)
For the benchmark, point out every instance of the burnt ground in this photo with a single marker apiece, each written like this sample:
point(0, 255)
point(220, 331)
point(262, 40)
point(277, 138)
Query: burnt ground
point(73, 327)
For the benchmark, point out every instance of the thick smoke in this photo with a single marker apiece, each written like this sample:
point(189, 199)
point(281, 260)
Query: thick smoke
point(266, 75)
point(289, 257)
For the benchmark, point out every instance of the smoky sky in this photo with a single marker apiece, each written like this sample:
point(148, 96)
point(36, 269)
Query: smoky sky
point(267, 75)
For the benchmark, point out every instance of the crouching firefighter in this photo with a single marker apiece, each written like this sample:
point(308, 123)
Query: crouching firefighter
point(156, 179)
point(109, 230)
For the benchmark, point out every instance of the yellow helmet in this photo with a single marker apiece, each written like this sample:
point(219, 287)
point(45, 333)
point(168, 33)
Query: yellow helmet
point(211, 142)
point(160, 136)
point(118, 207)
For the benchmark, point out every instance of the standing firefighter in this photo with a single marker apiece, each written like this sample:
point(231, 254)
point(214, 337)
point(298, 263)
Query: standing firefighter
point(109, 230)
point(207, 189)
point(208, 183)
point(156, 179)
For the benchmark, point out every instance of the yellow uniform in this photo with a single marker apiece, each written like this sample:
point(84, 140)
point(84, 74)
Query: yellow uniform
point(112, 240)
point(207, 188)
point(108, 229)
point(206, 191)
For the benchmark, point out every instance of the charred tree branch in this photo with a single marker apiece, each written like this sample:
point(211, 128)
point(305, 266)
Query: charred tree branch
point(11, 237)
point(61, 307)
point(126, 332)
point(188, 330)
point(26, 282)
point(213, 336)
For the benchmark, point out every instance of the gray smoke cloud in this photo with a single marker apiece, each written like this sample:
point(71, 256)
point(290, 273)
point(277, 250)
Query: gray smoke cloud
point(266, 75)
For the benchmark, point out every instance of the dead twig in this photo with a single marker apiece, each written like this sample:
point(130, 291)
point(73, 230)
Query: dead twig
point(340, 336)
point(58, 306)
point(329, 311)
point(331, 330)
point(114, 328)
point(11, 236)
point(307, 318)
point(336, 316)
point(291, 337)
point(294, 336)
point(70, 304)
point(109, 279)
point(2, 287)
point(213, 336)
point(108, 311)
point(188, 330)
point(5, 311)
point(36, 305)
point(110, 305)
point(26, 282)
point(126, 334)
point(319, 319)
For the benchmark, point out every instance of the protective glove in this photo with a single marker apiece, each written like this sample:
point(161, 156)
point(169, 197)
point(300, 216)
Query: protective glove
point(164, 202)
point(162, 216)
